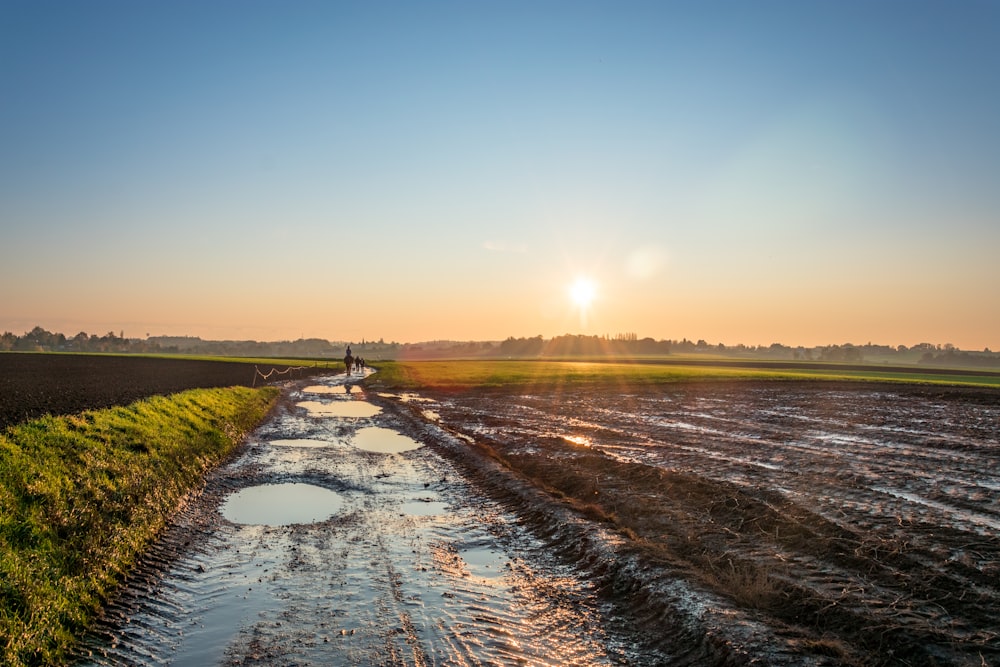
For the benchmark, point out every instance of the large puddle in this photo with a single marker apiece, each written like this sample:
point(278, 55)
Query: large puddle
point(355, 409)
point(383, 441)
point(299, 442)
point(281, 505)
point(337, 389)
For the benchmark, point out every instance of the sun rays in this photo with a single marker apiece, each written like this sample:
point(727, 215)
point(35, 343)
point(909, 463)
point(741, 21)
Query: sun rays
point(582, 293)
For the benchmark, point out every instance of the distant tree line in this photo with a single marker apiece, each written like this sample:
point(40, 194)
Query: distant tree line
point(40, 340)
point(630, 344)
point(568, 345)
point(586, 346)
point(304, 347)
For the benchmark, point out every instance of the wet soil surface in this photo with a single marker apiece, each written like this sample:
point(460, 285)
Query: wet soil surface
point(860, 524)
point(720, 524)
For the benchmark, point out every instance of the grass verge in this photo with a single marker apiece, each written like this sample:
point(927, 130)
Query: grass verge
point(544, 375)
point(81, 497)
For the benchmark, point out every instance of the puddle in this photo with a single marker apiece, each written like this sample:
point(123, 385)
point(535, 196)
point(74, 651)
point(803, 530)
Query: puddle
point(359, 409)
point(484, 562)
point(281, 504)
point(300, 442)
point(948, 510)
point(424, 507)
point(407, 397)
point(322, 389)
point(383, 440)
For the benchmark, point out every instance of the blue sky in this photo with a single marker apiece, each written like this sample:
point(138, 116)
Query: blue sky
point(756, 172)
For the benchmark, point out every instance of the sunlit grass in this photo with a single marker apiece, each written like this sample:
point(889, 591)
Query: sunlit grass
point(81, 496)
point(460, 375)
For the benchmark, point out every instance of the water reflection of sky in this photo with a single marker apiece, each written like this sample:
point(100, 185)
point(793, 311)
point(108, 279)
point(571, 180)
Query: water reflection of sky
point(383, 441)
point(356, 409)
point(281, 504)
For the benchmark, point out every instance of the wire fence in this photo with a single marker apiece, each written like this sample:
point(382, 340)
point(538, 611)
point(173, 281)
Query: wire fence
point(286, 371)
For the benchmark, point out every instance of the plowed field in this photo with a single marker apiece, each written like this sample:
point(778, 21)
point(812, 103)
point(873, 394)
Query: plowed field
point(32, 385)
point(858, 522)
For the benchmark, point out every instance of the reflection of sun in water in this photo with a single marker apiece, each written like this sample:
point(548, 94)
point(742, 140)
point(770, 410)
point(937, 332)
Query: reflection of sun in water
point(582, 292)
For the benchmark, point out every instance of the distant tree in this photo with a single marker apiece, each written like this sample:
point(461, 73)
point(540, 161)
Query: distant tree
point(40, 339)
point(649, 346)
point(522, 347)
point(81, 341)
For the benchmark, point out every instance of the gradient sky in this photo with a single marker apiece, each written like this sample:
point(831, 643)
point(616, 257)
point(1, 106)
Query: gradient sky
point(742, 172)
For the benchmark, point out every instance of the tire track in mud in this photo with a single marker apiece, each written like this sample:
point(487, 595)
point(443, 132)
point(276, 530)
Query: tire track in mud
point(418, 567)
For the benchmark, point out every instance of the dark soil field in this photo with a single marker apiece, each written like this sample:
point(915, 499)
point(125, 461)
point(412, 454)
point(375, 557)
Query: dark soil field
point(32, 385)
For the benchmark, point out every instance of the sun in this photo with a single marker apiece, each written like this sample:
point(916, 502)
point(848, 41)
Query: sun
point(582, 292)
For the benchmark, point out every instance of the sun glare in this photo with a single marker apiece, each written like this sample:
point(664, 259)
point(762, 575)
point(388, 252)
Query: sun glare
point(582, 292)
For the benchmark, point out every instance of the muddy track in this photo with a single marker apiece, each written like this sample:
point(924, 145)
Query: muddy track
point(417, 567)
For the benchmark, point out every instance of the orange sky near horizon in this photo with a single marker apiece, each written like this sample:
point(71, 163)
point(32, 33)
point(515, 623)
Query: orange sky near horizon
point(805, 173)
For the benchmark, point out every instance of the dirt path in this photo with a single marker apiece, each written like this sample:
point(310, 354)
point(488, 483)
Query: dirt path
point(413, 567)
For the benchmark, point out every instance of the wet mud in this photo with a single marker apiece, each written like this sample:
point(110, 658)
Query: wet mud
point(723, 524)
point(845, 524)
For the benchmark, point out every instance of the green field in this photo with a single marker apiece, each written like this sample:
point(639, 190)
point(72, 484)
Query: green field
point(82, 496)
point(546, 374)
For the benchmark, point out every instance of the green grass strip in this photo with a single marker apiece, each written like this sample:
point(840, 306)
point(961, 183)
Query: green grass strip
point(82, 496)
point(548, 375)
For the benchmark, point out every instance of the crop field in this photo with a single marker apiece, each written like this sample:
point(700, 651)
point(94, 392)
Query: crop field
point(549, 375)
